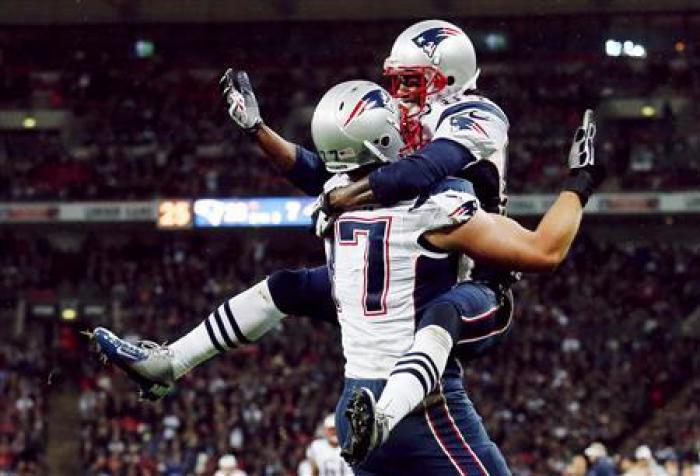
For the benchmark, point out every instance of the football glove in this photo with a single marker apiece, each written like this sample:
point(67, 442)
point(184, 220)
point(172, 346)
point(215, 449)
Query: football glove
point(240, 99)
point(585, 173)
point(323, 215)
point(323, 222)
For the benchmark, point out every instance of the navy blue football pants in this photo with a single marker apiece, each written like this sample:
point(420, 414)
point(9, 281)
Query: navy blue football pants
point(445, 438)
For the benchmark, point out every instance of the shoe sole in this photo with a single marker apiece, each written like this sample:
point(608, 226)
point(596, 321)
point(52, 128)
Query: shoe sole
point(360, 412)
point(147, 388)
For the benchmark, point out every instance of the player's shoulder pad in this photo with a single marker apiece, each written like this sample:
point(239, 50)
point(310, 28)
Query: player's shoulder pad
point(476, 123)
point(487, 105)
point(474, 102)
point(454, 201)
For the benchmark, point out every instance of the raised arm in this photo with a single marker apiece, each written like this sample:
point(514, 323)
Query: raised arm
point(502, 241)
point(281, 153)
point(300, 166)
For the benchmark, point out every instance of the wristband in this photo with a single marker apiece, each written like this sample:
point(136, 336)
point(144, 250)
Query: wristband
point(251, 131)
point(582, 183)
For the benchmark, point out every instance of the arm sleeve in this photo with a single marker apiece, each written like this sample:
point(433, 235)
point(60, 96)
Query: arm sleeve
point(419, 173)
point(309, 173)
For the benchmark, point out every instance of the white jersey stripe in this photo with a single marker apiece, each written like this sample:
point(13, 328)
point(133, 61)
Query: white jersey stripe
point(461, 436)
point(429, 420)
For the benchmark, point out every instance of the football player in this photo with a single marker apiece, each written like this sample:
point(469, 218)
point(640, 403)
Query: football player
point(539, 250)
point(422, 233)
point(398, 249)
point(323, 454)
point(434, 70)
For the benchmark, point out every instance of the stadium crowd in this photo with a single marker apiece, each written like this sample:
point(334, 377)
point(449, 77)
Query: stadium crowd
point(23, 411)
point(144, 127)
point(589, 358)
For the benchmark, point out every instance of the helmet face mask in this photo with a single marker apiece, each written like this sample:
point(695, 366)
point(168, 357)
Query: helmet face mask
point(429, 59)
point(413, 86)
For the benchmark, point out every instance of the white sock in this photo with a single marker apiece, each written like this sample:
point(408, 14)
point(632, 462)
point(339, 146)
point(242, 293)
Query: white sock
point(240, 320)
point(416, 374)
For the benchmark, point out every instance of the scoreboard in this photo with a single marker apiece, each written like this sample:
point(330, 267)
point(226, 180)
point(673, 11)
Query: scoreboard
point(235, 212)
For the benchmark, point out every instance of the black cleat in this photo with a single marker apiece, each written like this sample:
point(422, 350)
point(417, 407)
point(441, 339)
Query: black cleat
point(368, 429)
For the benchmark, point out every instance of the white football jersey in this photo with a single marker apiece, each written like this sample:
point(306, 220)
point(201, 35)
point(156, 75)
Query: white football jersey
point(382, 274)
point(327, 458)
point(473, 121)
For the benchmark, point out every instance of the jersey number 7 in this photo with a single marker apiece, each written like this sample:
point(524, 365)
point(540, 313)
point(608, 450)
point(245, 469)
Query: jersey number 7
point(376, 257)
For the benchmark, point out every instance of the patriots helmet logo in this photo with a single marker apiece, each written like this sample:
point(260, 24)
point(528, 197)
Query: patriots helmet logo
point(465, 211)
point(467, 123)
point(429, 40)
point(374, 99)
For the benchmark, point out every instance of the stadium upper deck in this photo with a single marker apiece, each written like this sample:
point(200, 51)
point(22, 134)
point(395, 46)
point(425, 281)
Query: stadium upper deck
point(123, 112)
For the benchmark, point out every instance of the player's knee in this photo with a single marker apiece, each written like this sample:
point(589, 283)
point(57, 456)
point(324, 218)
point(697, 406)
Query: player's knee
point(287, 288)
point(445, 315)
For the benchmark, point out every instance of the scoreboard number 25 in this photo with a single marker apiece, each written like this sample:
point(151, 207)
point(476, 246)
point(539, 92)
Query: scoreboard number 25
point(175, 214)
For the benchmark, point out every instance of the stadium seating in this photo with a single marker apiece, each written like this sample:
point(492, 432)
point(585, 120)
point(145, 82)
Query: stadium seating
point(23, 422)
point(157, 127)
point(576, 367)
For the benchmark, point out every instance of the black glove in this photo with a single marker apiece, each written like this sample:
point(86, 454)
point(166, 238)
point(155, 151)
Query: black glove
point(585, 173)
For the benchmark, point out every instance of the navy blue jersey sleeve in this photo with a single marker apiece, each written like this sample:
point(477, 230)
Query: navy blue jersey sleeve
point(309, 172)
point(418, 173)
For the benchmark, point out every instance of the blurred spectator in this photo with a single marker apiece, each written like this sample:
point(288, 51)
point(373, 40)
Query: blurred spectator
point(577, 467)
point(601, 464)
point(645, 464)
point(228, 467)
point(23, 417)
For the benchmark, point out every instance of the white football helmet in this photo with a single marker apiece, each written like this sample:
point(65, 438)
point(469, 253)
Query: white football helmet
point(440, 52)
point(430, 59)
point(356, 123)
point(329, 429)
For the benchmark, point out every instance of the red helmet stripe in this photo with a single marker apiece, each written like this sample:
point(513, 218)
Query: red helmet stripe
point(478, 127)
point(359, 107)
point(451, 31)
